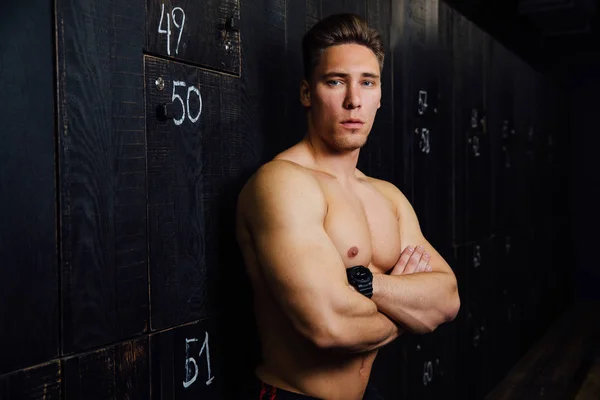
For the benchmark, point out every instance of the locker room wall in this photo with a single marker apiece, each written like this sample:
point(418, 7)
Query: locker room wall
point(132, 125)
point(585, 196)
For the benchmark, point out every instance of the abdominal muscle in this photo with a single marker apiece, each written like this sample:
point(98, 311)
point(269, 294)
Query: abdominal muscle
point(291, 363)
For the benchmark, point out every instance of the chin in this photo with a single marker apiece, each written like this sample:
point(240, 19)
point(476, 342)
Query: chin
point(347, 144)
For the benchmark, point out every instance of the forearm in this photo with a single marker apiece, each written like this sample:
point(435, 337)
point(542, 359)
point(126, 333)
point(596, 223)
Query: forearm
point(419, 302)
point(358, 326)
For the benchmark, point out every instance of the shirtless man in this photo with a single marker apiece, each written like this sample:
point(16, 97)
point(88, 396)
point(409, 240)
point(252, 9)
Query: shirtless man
point(337, 261)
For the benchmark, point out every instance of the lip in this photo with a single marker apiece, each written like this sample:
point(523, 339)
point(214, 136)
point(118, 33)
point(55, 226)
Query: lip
point(352, 123)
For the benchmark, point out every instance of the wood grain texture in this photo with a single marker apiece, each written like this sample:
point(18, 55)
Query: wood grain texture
point(195, 32)
point(188, 363)
point(299, 18)
point(264, 131)
point(428, 136)
point(500, 125)
point(417, 109)
point(473, 372)
point(29, 296)
point(189, 171)
point(378, 158)
point(102, 165)
point(473, 183)
point(41, 382)
point(117, 372)
point(329, 7)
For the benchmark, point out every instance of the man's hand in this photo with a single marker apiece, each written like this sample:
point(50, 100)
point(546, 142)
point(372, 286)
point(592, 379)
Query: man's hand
point(412, 260)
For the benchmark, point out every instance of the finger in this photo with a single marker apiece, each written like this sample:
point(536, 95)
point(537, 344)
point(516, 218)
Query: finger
point(414, 260)
point(423, 263)
point(403, 260)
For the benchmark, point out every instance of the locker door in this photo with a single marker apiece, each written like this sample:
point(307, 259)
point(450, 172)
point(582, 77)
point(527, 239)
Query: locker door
point(472, 139)
point(500, 125)
point(187, 362)
point(474, 338)
point(379, 157)
point(29, 279)
point(117, 371)
point(422, 116)
point(102, 163)
point(422, 366)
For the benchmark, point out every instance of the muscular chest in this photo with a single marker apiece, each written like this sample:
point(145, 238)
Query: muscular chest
point(363, 226)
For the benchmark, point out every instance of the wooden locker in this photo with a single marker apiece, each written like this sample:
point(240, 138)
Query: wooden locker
point(38, 382)
point(29, 280)
point(188, 362)
point(500, 125)
point(473, 183)
point(118, 371)
point(473, 359)
point(378, 158)
point(102, 164)
point(422, 122)
point(205, 34)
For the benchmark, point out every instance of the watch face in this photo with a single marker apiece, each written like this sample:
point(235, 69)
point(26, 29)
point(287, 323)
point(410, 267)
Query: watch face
point(362, 275)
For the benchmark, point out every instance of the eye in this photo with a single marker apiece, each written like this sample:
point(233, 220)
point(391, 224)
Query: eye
point(369, 83)
point(334, 82)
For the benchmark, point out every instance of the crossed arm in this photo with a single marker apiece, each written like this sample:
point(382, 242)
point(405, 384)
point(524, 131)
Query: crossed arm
point(283, 209)
point(420, 293)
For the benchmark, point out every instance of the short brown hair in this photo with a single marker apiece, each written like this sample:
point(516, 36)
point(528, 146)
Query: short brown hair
point(338, 29)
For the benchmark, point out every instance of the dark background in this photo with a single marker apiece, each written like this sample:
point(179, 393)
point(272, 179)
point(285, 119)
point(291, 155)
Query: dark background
point(120, 277)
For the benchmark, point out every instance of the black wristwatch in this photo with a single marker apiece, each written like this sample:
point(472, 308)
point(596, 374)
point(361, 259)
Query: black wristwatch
point(362, 279)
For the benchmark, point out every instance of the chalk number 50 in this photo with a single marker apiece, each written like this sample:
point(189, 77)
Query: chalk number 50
point(185, 107)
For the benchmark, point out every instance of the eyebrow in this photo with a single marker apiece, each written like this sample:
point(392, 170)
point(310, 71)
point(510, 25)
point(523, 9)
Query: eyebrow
point(345, 75)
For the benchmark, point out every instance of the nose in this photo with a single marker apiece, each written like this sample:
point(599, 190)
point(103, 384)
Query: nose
point(352, 100)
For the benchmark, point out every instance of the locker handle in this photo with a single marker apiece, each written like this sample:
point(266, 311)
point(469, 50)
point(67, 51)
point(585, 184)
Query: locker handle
point(164, 111)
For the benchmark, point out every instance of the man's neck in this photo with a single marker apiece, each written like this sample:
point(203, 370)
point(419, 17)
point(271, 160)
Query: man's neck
point(342, 165)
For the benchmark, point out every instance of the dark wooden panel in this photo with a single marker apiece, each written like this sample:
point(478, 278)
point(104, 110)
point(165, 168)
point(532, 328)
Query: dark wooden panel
point(445, 338)
point(421, 365)
point(262, 124)
point(524, 104)
point(427, 139)
point(390, 370)
point(378, 157)
point(191, 158)
point(39, 382)
point(187, 363)
point(329, 7)
point(417, 92)
point(29, 326)
point(473, 183)
point(500, 125)
point(299, 17)
point(265, 54)
point(102, 172)
point(505, 312)
point(204, 33)
point(117, 372)
point(473, 374)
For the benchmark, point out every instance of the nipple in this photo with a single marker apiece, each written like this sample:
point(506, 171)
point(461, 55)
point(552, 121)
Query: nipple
point(353, 252)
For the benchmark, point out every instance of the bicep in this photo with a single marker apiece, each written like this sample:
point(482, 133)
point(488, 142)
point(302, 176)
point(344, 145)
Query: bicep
point(298, 261)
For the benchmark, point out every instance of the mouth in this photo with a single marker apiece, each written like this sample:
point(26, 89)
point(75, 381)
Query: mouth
point(352, 123)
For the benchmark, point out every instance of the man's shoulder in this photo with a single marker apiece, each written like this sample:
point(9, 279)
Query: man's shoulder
point(386, 188)
point(280, 181)
point(281, 173)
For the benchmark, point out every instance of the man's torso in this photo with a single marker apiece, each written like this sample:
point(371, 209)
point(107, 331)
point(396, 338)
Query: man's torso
point(362, 224)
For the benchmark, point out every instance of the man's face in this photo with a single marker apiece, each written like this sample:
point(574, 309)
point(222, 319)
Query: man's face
point(343, 96)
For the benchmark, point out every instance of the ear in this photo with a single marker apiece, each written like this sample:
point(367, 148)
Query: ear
point(305, 93)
